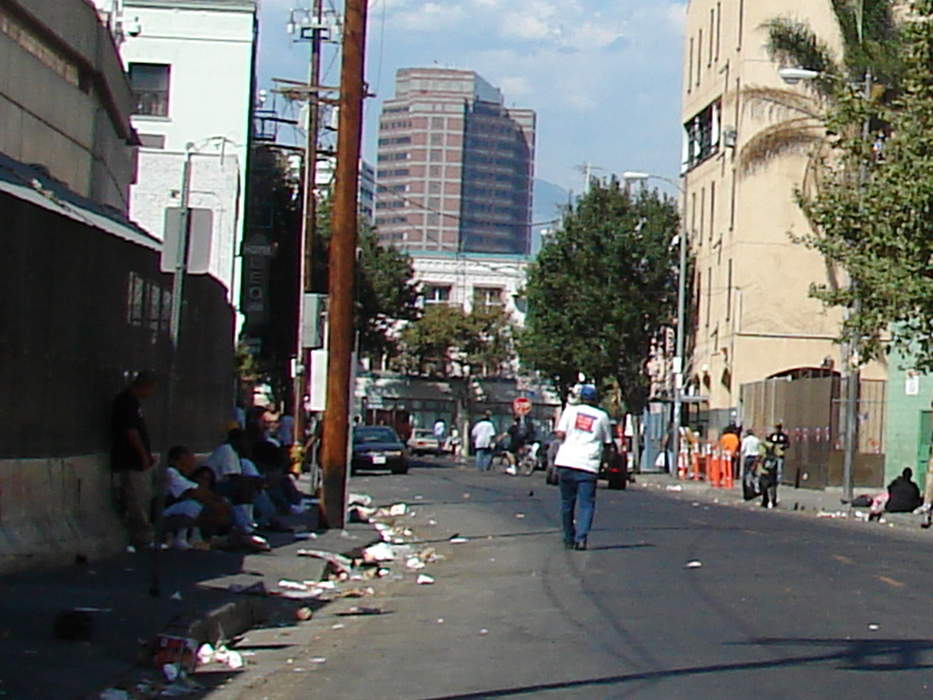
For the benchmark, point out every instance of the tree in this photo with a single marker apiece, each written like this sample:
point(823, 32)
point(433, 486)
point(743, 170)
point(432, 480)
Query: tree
point(478, 343)
point(601, 290)
point(871, 42)
point(873, 215)
point(386, 294)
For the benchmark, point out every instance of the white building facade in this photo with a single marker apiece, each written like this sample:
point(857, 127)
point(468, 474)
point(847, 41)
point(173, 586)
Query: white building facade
point(191, 66)
point(473, 280)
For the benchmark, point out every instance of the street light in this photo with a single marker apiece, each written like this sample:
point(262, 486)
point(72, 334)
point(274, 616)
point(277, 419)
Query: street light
point(792, 76)
point(633, 176)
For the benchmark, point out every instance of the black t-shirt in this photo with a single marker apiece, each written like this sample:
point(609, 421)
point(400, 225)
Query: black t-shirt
point(779, 439)
point(126, 415)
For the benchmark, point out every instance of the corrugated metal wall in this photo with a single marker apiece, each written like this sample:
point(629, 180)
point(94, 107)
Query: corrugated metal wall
point(80, 310)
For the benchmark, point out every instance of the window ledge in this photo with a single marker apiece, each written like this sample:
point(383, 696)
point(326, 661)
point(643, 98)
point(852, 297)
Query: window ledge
point(150, 118)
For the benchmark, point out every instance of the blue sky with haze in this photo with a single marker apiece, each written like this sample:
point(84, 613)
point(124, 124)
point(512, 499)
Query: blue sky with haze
point(603, 76)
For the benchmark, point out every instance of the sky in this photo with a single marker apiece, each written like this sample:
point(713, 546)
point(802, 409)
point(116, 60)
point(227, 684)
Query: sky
point(603, 76)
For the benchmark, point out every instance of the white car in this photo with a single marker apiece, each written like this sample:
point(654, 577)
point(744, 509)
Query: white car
point(423, 441)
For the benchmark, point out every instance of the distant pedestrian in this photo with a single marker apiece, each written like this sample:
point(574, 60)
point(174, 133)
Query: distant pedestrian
point(781, 443)
point(586, 434)
point(483, 436)
point(131, 456)
point(751, 446)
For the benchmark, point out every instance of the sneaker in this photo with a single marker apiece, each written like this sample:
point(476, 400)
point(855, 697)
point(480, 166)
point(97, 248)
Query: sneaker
point(580, 545)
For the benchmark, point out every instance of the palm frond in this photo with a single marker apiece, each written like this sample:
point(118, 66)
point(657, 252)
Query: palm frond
point(779, 101)
point(794, 43)
point(791, 135)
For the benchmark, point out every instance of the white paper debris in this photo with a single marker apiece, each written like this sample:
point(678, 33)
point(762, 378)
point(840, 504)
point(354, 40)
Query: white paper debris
point(424, 580)
point(176, 595)
point(874, 627)
point(205, 654)
point(398, 509)
point(674, 487)
point(519, 515)
point(694, 564)
point(379, 552)
point(458, 540)
point(414, 563)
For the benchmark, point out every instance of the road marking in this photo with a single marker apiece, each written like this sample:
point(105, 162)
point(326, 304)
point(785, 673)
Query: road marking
point(891, 582)
point(843, 559)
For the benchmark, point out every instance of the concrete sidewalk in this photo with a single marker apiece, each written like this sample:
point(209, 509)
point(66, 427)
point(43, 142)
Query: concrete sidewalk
point(195, 600)
point(816, 503)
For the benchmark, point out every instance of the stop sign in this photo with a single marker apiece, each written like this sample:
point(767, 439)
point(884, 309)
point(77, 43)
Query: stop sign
point(521, 406)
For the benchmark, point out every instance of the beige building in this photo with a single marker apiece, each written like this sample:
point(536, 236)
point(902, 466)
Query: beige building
point(64, 98)
point(751, 311)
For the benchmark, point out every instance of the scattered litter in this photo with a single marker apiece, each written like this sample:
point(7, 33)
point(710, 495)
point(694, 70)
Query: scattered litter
point(360, 610)
point(304, 614)
point(305, 535)
point(318, 660)
point(171, 649)
point(378, 552)
point(695, 504)
point(694, 564)
point(398, 509)
point(338, 626)
point(258, 588)
point(130, 549)
point(358, 593)
point(440, 620)
point(205, 654)
point(424, 580)
point(414, 563)
point(170, 672)
point(674, 487)
point(484, 631)
point(359, 499)
point(114, 694)
point(176, 595)
point(833, 514)
point(292, 585)
point(338, 562)
point(457, 539)
point(432, 522)
point(519, 515)
point(419, 498)
point(466, 495)
point(874, 627)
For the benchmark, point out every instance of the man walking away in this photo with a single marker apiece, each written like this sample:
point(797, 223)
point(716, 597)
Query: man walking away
point(586, 433)
point(131, 458)
point(483, 435)
point(750, 448)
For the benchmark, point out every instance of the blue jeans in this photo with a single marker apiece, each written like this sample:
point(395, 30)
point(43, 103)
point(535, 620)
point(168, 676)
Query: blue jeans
point(483, 458)
point(576, 485)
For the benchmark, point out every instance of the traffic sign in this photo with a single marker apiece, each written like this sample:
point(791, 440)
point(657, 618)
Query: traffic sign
point(521, 406)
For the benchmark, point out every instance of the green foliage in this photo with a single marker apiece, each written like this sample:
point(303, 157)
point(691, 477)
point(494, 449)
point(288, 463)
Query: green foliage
point(385, 294)
point(479, 342)
point(385, 290)
point(874, 216)
point(601, 290)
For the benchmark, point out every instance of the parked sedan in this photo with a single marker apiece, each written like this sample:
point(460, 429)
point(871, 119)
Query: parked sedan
point(378, 447)
point(422, 441)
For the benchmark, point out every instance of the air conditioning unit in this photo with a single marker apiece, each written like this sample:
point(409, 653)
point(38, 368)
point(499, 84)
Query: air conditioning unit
point(730, 137)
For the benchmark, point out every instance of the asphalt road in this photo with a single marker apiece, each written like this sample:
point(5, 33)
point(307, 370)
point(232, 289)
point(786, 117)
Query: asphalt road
point(782, 606)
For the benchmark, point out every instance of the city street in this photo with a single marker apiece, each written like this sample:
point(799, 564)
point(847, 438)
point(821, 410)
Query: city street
point(782, 606)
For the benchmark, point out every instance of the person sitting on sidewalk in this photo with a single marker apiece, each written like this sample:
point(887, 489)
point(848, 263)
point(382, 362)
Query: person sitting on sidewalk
point(189, 506)
point(902, 496)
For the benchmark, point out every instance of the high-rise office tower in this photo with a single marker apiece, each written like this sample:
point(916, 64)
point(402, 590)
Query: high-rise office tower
point(455, 166)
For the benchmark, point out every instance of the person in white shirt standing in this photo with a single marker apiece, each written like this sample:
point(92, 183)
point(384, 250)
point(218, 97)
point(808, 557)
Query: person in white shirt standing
point(585, 433)
point(751, 446)
point(483, 435)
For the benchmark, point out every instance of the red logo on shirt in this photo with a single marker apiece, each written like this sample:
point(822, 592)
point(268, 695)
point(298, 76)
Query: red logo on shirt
point(585, 423)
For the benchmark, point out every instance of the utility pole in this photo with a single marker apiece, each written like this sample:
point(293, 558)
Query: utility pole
point(309, 220)
point(342, 270)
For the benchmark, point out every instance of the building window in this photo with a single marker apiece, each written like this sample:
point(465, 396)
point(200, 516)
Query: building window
point(487, 297)
point(702, 133)
point(150, 85)
point(152, 140)
point(436, 294)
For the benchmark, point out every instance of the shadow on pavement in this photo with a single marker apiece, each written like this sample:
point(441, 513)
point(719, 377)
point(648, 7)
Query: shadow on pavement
point(853, 654)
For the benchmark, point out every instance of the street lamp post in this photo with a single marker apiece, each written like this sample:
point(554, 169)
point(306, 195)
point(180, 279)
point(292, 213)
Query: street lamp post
point(851, 367)
point(631, 176)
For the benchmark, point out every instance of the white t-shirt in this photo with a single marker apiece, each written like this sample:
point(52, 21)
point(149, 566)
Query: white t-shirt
point(178, 484)
point(587, 429)
point(224, 461)
point(483, 433)
point(750, 445)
